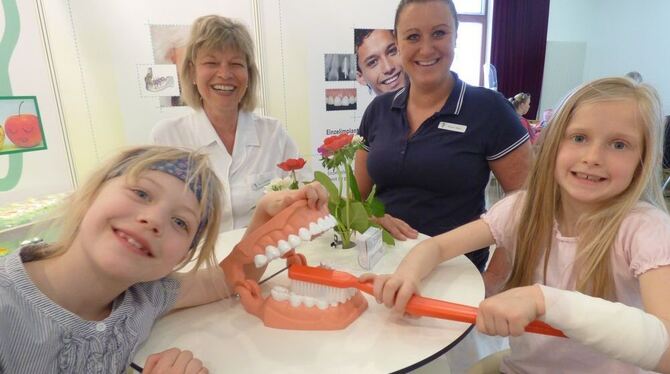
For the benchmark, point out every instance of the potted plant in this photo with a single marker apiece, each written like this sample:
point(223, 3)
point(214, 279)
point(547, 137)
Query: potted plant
point(352, 212)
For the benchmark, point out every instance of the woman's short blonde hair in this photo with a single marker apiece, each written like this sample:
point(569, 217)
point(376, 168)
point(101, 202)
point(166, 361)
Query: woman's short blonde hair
point(210, 33)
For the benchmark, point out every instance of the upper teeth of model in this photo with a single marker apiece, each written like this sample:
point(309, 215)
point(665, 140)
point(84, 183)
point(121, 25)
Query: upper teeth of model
point(310, 295)
point(292, 241)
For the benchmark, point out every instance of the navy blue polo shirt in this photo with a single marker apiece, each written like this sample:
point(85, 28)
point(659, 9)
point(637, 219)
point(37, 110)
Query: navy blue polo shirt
point(435, 179)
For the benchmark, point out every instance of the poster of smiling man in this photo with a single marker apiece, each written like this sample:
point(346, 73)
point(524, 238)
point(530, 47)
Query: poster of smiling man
point(378, 64)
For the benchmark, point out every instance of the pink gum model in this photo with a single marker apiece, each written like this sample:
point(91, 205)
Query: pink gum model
point(284, 309)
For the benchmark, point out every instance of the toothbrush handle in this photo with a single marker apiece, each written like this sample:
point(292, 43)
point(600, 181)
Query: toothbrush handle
point(427, 307)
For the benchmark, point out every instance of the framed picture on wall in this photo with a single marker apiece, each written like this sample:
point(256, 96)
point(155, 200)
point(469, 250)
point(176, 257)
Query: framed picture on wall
point(20, 125)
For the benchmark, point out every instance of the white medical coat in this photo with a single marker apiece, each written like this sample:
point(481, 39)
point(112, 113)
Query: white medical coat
point(260, 144)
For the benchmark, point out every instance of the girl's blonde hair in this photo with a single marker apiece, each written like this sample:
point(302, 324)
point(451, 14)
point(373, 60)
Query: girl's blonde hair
point(215, 33)
point(597, 230)
point(130, 164)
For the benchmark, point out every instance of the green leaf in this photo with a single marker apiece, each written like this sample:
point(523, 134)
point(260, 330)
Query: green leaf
point(355, 193)
point(358, 217)
point(332, 205)
point(372, 193)
point(376, 207)
point(334, 195)
point(387, 237)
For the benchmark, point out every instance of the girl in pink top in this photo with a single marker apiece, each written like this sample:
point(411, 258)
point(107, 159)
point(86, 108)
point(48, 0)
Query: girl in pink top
point(521, 103)
point(588, 242)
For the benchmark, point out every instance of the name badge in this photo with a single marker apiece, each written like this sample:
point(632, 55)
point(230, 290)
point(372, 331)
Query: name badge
point(452, 127)
point(260, 184)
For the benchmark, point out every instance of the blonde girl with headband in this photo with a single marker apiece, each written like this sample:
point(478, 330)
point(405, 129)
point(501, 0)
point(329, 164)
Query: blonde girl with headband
point(87, 302)
point(589, 239)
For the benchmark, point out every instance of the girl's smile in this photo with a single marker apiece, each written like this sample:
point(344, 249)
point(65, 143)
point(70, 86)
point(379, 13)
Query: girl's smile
point(135, 244)
point(599, 154)
point(152, 219)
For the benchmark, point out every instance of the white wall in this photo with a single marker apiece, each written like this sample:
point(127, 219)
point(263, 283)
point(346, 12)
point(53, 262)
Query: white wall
point(596, 38)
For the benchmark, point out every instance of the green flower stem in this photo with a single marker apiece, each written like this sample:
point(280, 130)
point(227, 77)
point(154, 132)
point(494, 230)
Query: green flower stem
point(294, 182)
point(344, 228)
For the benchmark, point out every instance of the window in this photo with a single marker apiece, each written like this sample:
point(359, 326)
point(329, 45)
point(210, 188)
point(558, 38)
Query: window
point(470, 6)
point(471, 43)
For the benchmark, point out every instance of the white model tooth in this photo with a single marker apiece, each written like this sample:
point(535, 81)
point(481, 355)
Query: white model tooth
point(304, 234)
point(281, 289)
point(332, 220)
point(272, 252)
point(333, 303)
point(309, 301)
point(314, 229)
point(342, 296)
point(260, 260)
point(323, 224)
point(279, 293)
point(295, 300)
point(283, 246)
point(328, 222)
point(352, 292)
point(294, 240)
point(322, 304)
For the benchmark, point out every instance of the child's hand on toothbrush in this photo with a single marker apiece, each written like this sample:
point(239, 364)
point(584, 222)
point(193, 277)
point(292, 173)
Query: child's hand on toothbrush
point(509, 312)
point(393, 290)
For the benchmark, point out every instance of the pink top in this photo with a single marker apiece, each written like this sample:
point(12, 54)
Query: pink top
point(643, 244)
point(532, 132)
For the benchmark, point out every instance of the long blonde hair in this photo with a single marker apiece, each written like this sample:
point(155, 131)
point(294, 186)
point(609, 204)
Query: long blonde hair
point(597, 230)
point(130, 163)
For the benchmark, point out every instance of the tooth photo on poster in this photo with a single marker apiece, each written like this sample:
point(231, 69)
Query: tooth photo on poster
point(339, 67)
point(158, 80)
point(21, 127)
point(340, 99)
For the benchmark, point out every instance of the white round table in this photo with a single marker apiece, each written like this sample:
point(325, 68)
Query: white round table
point(227, 339)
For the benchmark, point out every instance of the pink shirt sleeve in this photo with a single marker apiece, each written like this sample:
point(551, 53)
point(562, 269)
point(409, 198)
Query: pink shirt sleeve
point(501, 219)
point(644, 239)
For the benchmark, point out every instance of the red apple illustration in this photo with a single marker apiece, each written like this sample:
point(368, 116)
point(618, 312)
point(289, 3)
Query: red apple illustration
point(23, 129)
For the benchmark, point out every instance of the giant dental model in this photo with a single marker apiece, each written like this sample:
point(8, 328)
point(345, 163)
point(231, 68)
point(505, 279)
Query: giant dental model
point(316, 307)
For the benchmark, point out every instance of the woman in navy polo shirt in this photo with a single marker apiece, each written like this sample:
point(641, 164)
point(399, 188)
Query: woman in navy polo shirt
point(432, 145)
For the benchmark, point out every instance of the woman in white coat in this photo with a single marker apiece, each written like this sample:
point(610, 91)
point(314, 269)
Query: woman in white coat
point(219, 80)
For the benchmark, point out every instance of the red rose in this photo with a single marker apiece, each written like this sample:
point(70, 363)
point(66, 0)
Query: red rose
point(292, 164)
point(336, 142)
